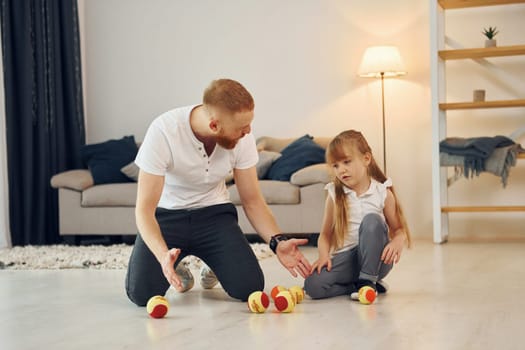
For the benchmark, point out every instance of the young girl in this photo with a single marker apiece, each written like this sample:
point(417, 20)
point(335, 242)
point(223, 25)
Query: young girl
point(364, 229)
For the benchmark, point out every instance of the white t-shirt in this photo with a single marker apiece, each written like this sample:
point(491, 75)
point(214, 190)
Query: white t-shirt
point(191, 178)
point(372, 201)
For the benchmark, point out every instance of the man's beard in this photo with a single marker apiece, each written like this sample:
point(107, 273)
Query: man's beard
point(225, 142)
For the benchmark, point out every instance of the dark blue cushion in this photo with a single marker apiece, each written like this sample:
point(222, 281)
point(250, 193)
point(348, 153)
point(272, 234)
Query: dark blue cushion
point(105, 159)
point(297, 155)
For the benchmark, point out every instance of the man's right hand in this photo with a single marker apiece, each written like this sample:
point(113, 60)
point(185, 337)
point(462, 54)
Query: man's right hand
point(167, 264)
point(291, 257)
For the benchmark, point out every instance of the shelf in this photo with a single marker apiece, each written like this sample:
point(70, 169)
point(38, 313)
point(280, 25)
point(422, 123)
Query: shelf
point(459, 4)
point(494, 208)
point(482, 52)
point(483, 104)
point(489, 57)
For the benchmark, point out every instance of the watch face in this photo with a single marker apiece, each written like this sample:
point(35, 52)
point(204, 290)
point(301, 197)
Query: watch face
point(274, 241)
point(273, 244)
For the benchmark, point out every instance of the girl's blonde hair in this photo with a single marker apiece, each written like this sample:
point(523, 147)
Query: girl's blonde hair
point(347, 143)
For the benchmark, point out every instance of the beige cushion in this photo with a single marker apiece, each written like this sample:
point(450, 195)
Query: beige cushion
point(273, 144)
point(266, 159)
point(131, 170)
point(311, 174)
point(78, 179)
point(274, 192)
point(110, 195)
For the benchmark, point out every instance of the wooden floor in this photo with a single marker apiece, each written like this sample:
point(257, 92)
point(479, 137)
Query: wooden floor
point(460, 295)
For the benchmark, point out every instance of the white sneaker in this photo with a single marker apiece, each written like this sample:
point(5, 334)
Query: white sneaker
point(355, 295)
point(186, 277)
point(208, 279)
point(381, 288)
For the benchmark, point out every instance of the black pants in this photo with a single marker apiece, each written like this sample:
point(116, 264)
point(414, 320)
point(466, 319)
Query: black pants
point(212, 234)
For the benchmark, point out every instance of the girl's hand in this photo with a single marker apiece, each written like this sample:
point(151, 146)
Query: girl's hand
point(392, 252)
point(321, 262)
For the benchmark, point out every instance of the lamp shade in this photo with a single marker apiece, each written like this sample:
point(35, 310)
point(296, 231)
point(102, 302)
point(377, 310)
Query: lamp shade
point(381, 60)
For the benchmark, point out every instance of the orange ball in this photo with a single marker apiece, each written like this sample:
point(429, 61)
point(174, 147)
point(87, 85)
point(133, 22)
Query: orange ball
point(276, 290)
point(367, 295)
point(157, 306)
point(284, 302)
point(258, 302)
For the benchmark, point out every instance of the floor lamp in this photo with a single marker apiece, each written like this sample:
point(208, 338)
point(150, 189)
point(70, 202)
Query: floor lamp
point(382, 62)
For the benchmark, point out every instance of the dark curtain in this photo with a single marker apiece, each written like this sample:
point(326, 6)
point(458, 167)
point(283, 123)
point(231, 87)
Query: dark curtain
point(44, 112)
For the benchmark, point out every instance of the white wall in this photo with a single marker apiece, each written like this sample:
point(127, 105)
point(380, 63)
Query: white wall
point(298, 58)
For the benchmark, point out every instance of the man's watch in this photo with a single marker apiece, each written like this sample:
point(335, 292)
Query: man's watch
point(274, 241)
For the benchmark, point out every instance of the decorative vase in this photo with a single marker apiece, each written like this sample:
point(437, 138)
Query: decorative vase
point(490, 43)
point(479, 95)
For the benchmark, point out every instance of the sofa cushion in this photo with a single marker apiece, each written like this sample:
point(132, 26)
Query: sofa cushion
point(131, 170)
point(78, 179)
point(105, 159)
point(299, 154)
point(110, 195)
point(273, 144)
point(266, 159)
point(267, 143)
point(274, 192)
point(317, 173)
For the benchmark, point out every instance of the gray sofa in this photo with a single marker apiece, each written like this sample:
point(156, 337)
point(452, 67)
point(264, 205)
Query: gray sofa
point(108, 209)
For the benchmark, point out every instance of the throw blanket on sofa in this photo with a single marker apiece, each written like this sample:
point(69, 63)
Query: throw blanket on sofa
point(474, 155)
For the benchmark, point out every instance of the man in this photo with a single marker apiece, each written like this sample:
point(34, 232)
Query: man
point(183, 207)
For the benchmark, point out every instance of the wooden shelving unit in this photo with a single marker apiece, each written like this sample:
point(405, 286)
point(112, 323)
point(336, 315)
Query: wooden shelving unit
point(484, 104)
point(459, 4)
point(477, 209)
point(476, 53)
point(439, 56)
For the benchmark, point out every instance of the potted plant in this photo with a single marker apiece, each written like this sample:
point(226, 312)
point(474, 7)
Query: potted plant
point(490, 33)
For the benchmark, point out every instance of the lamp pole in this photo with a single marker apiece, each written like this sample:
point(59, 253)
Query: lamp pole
point(383, 110)
point(380, 62)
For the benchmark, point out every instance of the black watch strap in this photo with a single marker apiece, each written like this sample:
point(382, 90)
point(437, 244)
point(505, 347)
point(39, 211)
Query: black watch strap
point(274, 241)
